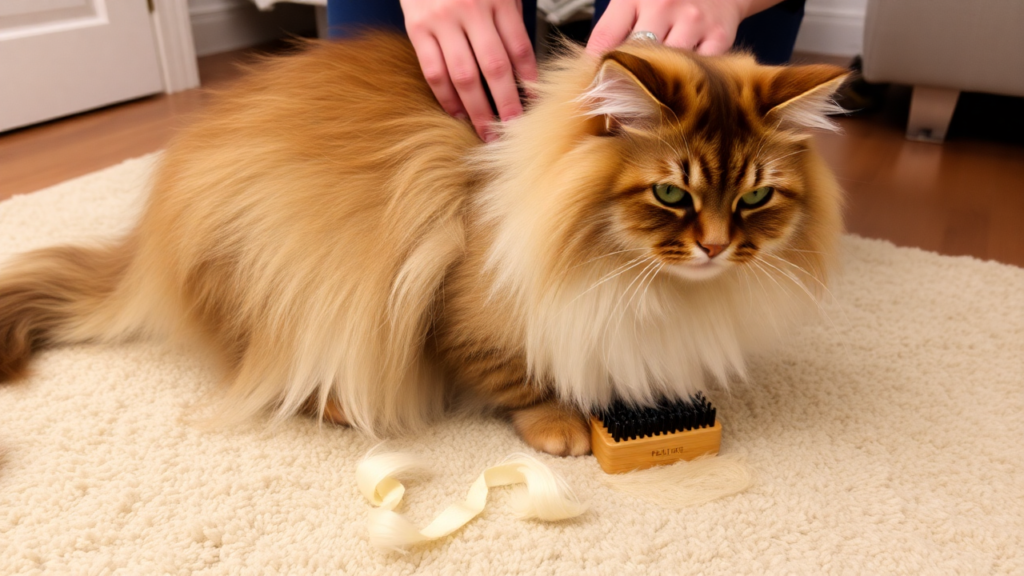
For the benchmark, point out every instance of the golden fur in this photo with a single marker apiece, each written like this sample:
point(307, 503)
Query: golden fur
point(339, 242)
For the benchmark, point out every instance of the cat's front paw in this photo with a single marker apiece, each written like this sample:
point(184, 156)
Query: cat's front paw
point(552, 428)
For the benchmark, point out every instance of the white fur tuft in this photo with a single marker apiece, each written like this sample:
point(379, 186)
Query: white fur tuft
point(616, 94)
point(812, 109)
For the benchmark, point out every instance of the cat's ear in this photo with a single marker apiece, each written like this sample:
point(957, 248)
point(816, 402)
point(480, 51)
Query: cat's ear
point(623, 93)
point(801, 96)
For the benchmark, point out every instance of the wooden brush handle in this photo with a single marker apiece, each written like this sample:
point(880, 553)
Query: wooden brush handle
point(626, 455)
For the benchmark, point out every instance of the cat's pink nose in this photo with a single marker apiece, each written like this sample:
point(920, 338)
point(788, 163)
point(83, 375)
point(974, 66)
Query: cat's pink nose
point(712, 250)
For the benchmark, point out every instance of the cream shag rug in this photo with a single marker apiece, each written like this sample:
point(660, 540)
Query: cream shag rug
point(887, 440)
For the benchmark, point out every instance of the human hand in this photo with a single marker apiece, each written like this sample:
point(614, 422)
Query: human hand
point(456, 39)
point(705, 26)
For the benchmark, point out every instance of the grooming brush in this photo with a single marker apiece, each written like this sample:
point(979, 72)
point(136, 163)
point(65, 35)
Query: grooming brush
point(625, 438)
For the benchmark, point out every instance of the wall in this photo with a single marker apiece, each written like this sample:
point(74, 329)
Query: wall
point(834, 27)
point(222, 25)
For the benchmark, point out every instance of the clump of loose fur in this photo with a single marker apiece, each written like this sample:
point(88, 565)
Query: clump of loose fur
point(340, 242)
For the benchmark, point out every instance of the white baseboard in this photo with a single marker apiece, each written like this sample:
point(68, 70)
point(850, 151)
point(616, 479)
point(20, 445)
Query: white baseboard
point(225, 26)
point(830, 31)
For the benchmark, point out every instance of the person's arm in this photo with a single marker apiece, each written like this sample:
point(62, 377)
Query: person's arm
point(705, 26)
point(457, 39)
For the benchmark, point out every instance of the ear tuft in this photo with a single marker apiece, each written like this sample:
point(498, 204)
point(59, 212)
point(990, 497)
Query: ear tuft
point(801, 96)
point(620, 96)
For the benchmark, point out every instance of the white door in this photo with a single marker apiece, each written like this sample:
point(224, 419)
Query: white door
point(59, 57)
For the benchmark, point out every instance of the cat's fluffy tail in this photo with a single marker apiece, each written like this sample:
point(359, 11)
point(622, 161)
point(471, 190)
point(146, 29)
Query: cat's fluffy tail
point(57, 295)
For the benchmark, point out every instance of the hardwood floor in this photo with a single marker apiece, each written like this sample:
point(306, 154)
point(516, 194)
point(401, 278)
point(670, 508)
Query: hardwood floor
point(956, 199)
point(965, 197)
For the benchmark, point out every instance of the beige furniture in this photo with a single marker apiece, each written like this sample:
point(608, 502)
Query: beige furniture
point(943, 47)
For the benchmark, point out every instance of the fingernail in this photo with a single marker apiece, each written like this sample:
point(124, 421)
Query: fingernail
point(460, 117)
point(490, 137)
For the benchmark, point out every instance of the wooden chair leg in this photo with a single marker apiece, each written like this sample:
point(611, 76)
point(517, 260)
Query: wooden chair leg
point(931, 109)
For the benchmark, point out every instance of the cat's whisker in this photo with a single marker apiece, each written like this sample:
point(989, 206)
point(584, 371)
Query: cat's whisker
point(764, 139)
point(642, 303)
point(617, 270)
point(830, 294)
point(618, 303)
point(755, 267)
point(750, 291)
point(643, 297)
point(665, 142)
point(774, 161)
point(799, 284)
point(639, 280)
point(832, 297)
point(662, 110)
point(606, 256)
point(813, 299)
point(757, 263)
point(796, 281)
point(650, 274)
point(750, 267)
point(613, 274)
point(810, 295)
point(652, 271)
point(809, 275)
point(760, 146)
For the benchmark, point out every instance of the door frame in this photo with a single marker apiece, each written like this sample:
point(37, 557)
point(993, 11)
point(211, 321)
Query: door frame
point(172, 26)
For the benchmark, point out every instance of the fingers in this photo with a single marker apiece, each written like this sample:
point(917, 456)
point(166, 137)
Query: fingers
point(435, 70)
point(509, 24)
point(684, 37)
point(615, 24)
point(716, 42)
point(497, 69)
point(456, 41)
point(688, 28)
point(465, 76)
point(706, 26)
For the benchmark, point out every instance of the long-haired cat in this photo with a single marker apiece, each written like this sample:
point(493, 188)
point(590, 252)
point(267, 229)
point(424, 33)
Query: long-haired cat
point(339, 242)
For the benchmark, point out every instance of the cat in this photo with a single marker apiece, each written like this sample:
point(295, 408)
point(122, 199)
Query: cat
point(340, 244)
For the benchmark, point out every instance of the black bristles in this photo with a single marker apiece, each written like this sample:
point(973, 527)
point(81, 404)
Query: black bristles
point(626, 422)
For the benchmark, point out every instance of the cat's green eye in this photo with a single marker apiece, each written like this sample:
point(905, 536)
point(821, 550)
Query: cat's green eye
point(757, 198)
point(672, 195)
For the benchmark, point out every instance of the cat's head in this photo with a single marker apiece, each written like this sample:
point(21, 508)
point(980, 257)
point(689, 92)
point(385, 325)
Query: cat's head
point(700, 164)
point(714, 153)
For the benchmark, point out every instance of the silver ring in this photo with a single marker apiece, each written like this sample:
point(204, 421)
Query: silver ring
point(644, 35)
